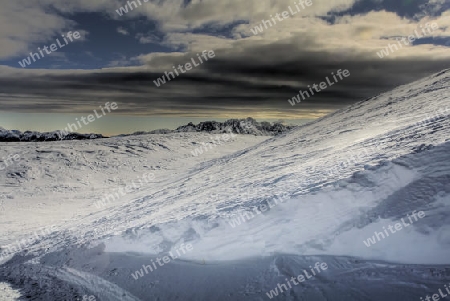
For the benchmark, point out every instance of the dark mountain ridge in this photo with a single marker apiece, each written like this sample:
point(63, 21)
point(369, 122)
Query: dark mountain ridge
point(248, 126)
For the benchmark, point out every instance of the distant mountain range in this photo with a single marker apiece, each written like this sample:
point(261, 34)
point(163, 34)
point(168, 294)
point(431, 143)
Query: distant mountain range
point(247, 126)
point(33, 136)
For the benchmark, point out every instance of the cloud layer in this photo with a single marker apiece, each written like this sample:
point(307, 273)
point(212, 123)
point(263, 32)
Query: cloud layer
point(250, 73)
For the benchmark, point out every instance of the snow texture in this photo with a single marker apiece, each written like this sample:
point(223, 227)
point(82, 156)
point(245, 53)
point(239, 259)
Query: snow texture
point(330, 185)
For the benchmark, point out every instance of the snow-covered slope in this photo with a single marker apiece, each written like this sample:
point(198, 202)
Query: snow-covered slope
point(56, 181)
point(329, 184)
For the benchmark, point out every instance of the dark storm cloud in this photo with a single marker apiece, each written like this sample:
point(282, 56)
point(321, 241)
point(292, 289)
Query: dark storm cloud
point(264, 76)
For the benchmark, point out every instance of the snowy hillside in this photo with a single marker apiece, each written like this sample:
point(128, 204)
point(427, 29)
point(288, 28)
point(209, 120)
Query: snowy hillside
point(62, 179)
point(254, 211)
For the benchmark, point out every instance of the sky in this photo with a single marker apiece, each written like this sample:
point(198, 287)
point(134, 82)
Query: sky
point(118, 57)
